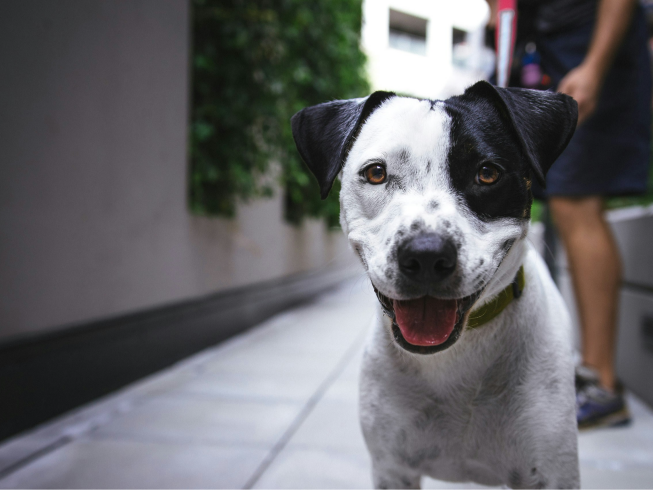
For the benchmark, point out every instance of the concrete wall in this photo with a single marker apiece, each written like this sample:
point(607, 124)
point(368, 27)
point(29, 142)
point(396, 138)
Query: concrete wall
point(93, 215)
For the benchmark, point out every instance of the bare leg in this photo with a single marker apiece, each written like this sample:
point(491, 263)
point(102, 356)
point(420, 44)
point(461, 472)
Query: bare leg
point(595, 267)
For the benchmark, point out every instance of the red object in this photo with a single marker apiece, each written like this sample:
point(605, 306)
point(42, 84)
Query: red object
point(506, 32)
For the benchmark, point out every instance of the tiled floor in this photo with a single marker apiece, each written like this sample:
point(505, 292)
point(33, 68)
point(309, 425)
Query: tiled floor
point(272, 408)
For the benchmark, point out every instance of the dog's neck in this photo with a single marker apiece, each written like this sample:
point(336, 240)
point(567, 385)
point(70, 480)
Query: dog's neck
point(505, 274)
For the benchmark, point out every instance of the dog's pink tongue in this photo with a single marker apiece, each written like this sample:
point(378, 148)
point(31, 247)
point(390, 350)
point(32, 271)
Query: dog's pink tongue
point(426, 321)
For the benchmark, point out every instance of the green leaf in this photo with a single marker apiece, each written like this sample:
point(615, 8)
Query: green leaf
point(256, 63)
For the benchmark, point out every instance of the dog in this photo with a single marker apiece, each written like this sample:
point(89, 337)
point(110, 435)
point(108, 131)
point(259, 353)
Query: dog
point(467, 374)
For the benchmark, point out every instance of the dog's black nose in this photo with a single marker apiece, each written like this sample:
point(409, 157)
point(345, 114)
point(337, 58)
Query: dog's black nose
point(427, 258)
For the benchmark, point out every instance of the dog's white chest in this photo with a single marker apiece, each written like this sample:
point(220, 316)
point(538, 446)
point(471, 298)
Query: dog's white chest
point(451, 433)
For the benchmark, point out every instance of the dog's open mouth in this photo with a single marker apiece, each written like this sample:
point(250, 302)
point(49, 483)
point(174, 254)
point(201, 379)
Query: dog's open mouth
point(427, 325)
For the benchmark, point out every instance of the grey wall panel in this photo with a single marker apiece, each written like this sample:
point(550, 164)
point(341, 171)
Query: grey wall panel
point(635, 343)
point(633, 230)
point(93, 166)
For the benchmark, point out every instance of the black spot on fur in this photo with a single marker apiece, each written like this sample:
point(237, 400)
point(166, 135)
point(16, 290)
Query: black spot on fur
point(404, 156)
point(533, 471)
point(433, 205)
point(520, 131)
point(457, 238)
point(395, 183)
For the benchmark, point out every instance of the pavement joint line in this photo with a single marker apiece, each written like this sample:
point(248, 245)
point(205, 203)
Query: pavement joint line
point(62, 441)
point(305, 411)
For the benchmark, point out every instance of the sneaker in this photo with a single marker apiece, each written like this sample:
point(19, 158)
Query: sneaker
point(597, 406)
point(585, 375)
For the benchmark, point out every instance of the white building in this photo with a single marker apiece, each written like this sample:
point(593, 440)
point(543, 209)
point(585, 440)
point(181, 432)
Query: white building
point(425, 48)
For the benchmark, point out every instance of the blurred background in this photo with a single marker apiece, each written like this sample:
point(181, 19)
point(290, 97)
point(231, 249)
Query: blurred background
point(153, 206)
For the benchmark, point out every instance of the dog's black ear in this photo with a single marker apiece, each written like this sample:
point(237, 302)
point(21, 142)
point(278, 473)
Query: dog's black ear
point(543, 121)
point(324, 134)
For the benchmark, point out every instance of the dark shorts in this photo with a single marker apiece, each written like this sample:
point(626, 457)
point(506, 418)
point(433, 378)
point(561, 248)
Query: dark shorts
point(609, 153)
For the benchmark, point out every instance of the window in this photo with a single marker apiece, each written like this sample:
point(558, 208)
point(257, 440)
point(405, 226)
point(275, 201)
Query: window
point(407, 32)
point(458, 36)
point(461, 49)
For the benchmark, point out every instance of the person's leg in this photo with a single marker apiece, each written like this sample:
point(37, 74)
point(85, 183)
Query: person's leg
point(595, 267)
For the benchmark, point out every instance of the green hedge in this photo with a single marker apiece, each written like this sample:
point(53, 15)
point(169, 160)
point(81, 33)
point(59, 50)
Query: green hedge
point(256, 63)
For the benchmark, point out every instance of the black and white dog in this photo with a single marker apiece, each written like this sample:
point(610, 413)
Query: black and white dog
point(467, 374)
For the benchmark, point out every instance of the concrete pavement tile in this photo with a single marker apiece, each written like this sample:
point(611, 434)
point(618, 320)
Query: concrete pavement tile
point(345, 387)
point(315, 468)
point(344, 390)
point(332, 425)
point(617, 477)
point(321, 331)
point(431, 483)
point(628, 444)
point(260, 361)
point(641, 412)
point(201, 420)
point(619, 446)
point(63, 428)
point(254, 386)
point(131, 464)
point(317, 344)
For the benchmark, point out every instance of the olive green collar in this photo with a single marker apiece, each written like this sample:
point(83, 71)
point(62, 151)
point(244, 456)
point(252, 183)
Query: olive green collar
point(491, 310)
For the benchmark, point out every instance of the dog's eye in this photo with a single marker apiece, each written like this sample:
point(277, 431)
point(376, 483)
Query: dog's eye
point(488, 174)
point(375, 174)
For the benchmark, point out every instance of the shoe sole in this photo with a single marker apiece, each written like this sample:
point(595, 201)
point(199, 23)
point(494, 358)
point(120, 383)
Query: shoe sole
point(616, 419)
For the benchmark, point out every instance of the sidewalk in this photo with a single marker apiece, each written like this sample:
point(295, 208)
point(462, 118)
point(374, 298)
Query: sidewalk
point(272, 408)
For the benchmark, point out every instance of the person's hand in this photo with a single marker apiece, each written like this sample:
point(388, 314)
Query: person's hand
point(584, 84)
point(494, 6)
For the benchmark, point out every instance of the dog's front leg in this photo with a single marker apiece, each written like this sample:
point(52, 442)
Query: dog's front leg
point(393, 477)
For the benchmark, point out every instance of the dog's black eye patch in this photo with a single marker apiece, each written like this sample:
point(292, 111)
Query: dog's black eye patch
point(523, 130)
point(496, 187)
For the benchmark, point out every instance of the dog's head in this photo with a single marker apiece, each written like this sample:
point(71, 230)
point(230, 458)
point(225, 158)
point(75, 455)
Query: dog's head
point(434, 193)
